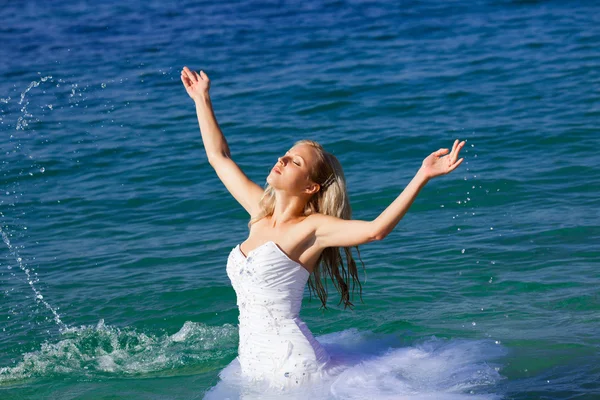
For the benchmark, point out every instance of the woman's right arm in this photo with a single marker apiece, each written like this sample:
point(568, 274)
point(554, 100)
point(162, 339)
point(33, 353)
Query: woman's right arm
point(246, 192)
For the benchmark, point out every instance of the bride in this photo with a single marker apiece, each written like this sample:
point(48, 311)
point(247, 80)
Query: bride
point(299, 223)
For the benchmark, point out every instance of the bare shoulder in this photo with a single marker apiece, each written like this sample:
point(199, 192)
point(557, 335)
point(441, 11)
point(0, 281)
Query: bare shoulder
point(318, 219)
point(331, 231)
point(314, 220)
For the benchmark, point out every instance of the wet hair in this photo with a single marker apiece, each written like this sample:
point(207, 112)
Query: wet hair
point(331, 199)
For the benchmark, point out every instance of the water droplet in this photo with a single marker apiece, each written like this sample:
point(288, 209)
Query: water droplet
point(42, 170)
point(463, 251)
point(103, 85)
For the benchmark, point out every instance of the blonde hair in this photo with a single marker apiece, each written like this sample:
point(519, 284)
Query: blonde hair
point(331, 199)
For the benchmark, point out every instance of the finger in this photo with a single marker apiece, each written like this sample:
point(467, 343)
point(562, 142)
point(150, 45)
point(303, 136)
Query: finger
point(458, 148)
point(440, 152)
point(186, 81)
point(189, 74)
point(203, 75)
point(455, 165)
point(197, 76)
point(186, 76)
point(453, 148)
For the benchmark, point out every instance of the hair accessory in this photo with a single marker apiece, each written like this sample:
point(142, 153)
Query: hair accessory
point(328, 181)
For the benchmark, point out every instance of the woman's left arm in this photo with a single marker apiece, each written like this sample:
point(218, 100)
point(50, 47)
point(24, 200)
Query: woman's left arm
point(336, 232)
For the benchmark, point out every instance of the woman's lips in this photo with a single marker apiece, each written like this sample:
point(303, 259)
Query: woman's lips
point(276, 170)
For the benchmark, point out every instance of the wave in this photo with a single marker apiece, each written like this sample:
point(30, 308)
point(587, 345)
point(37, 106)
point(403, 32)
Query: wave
point(102, 350)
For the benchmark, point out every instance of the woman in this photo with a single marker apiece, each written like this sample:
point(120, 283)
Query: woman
point(298, 224)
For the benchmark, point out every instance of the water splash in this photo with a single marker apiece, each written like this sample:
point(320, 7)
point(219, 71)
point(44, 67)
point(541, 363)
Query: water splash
point(38, 295)
point(430, 368)
point(22, 122)
point(26, 166)
point(102, 350)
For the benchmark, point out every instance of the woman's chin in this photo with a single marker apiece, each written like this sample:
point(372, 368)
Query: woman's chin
point(276, 182)
point(272, 180)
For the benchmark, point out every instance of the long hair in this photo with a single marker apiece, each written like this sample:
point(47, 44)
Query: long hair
point(331, 199)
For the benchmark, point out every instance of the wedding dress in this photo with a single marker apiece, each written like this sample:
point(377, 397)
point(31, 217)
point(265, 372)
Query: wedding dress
point(277, 353)
point(275, 345)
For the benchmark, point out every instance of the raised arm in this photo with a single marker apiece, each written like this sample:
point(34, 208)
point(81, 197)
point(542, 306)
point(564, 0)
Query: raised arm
point(246, 192)
point(336, 232)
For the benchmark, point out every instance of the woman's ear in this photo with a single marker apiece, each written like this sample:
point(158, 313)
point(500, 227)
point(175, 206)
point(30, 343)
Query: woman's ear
point(312, 188)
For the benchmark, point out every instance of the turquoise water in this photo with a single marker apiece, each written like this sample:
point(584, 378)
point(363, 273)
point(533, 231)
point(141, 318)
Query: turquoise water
point(116, 230)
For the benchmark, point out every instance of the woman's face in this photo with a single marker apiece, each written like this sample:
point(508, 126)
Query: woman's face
point(292, 170)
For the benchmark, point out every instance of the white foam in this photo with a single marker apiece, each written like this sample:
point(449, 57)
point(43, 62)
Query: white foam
point(432, 368)
point(100, 349)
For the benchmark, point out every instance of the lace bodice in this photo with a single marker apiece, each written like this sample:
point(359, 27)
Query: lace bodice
point(275, 344)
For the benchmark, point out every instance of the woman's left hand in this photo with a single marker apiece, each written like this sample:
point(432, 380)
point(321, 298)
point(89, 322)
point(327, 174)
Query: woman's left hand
point(437, 163)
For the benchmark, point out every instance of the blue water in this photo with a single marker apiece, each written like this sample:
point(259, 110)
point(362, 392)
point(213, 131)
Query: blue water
point(116, 230)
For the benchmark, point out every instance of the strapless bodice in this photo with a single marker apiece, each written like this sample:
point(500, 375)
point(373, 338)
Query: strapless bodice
point(267, 281)
point(275, 344)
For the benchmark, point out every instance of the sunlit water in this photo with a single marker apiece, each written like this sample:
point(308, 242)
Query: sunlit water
point(115, 230)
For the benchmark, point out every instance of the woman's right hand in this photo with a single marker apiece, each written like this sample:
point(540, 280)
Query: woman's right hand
point(196, 85)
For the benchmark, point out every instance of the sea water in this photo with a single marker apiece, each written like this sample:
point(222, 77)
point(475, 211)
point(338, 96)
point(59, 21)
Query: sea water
point(115, 229)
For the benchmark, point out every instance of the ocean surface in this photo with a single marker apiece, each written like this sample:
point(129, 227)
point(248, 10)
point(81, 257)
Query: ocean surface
point(116, 230)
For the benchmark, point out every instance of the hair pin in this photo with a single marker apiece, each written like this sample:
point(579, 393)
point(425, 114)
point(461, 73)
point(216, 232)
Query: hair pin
point(328, 181)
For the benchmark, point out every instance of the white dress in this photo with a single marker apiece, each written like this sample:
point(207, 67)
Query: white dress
point(278, 357)
point(275, 345)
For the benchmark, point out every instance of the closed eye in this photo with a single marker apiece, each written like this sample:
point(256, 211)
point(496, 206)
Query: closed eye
point(294, 161)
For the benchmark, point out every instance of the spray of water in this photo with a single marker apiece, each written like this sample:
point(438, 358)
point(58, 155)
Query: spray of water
point(22, 124)
point(22, 121)
point(38, 295)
